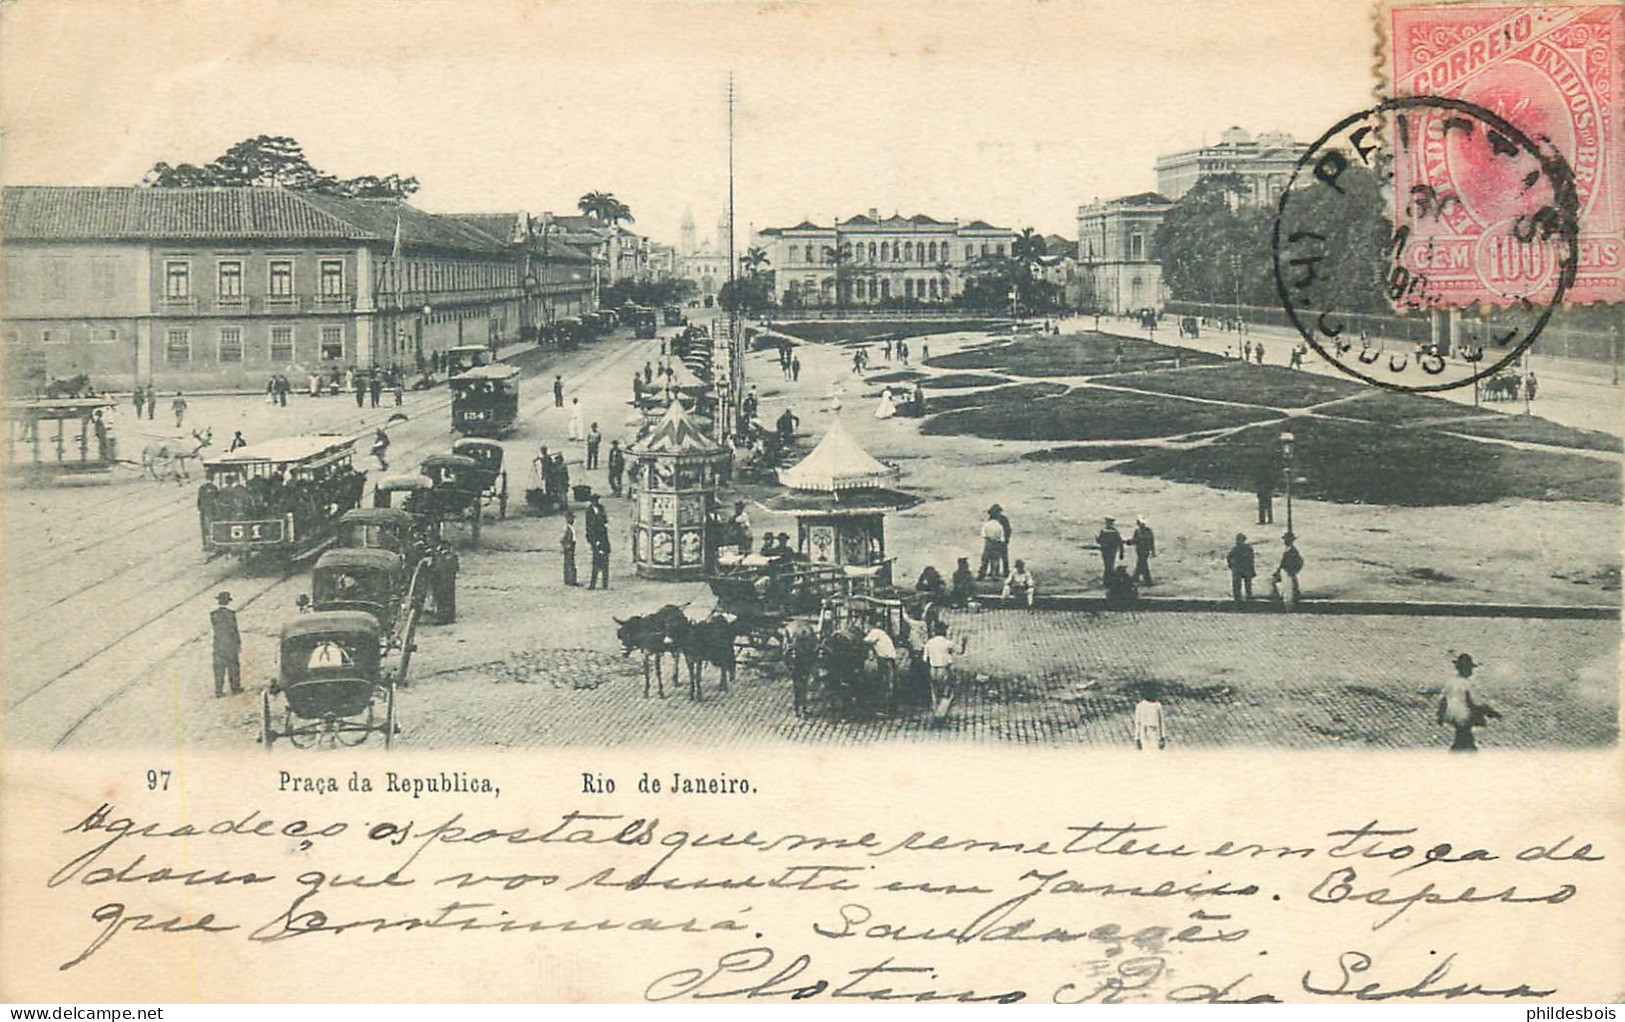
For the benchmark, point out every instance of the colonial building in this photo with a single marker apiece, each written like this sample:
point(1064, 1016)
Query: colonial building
point(873, 260)
point(1117, 258)
point(1264, 165)
point(221, 287)
point(1059, 266)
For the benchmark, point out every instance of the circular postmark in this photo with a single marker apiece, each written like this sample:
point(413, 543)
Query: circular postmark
point(1421, 204)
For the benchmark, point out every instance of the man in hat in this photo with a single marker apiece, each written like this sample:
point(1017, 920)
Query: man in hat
point(227, 645)
point(1291, 564)
point(617, 466)
point(594, 440)
point(992, 546)
point(567, 549)
point(558, 392)
point(1242, 567)
point(1110, 543)
point(598, 540)
point(1145, 546)
point(1459, 709)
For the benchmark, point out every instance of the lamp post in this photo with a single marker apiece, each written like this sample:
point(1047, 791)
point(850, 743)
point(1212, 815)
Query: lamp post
point(1288, 451)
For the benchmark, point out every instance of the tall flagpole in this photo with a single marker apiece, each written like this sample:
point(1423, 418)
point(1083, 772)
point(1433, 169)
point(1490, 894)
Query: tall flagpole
point(736, 360)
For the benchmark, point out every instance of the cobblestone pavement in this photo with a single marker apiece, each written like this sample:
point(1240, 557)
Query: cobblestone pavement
point(1064, 678)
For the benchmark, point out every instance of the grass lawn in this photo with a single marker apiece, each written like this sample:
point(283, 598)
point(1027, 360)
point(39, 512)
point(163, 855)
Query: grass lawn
point(1271, 386)
point(1090, 452)
point(1079, 413)
point(1069, 355)
point(1371, 463)
point(1015, 393)
point(900, 376)
point(1393, 406)
point(877, 330)
point(1537, 431)
point(952, 380)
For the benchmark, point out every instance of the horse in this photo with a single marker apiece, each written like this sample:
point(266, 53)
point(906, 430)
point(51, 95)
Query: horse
point(160, 458)
point(654, 635)
point(710, 642)
point(68, 387)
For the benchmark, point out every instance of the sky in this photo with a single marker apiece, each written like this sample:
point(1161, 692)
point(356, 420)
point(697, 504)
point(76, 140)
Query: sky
point(1015, 113)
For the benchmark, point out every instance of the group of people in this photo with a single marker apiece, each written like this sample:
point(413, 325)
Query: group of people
point(1242, 561)
point(1112, 545)
point(277, 389)
point(145, 399)
point(596, 528)
point(789, 362)
point(1250, 352)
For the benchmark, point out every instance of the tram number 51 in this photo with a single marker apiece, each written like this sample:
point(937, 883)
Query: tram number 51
point(158, 780)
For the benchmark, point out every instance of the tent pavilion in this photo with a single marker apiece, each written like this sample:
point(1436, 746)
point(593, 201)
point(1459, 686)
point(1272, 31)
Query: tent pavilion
point(839, 495)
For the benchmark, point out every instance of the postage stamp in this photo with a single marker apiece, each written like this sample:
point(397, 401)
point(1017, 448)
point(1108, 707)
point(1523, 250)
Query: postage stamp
point(1552, 70)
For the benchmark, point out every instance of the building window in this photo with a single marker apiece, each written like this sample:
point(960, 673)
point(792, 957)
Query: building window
point(871, 251)
point(908, 250)
point(933, 251)
point(280, 282)
point(885, 289)
point(332, 343)
point(231, 344)
point(1136, 247)
point(53, 335)
point(178, 346)
point(933, 288)
point(998, 250)
point(177, 279)
point(229, 281)
point(970, 252)
point(104, 335)
point(908, 289)
point(55, 282)
point(808, 255)
point(281, 344)
point(332, 278)
point(104, 277)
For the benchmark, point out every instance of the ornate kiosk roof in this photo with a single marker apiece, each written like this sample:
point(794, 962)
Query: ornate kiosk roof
point(836, 465)
point(676, 435)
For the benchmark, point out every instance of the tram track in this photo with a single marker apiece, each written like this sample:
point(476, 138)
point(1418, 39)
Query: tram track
point(161, 632)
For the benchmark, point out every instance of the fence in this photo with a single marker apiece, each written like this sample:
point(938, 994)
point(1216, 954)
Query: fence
point(1558, 339)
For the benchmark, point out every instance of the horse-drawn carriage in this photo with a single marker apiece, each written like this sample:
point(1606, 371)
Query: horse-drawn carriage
point(331, 682)
point(380, 583)
point(460, 484)
point(59, 436)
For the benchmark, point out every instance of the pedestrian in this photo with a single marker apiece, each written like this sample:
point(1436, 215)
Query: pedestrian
point(795, 367)
point(558, 392)
point(270, 390)
point(152, 402)
point(1460, 710)
point(1264, 474)
point(1246, 352)
point(315, 385)
point(567, 549)
point(992, 545)
point(1291, 564)
point(380, 448)
point(236, 442)
point(1110, 544)
point(375, 388)
point(178, 406)
point(648, 372)
point(282, 388)
point(962, 585)
point(740, 523)
point(398, 386)
point(886, 349)
point(1258, 352)
point(925, 351)
point(228, 645)
point(902, 351)
point(1019, 584)
point(138, 397)
point(1243, 566)
point(788, 421)
point(617, 466)
point(1530, 385)
point(884, 649)
point(857, 361)
point(359, 385)
point(575, 418)
point(598, 539)
point(1145, 547)
point(939, 658)
point(1149, 733)
point(594, 440)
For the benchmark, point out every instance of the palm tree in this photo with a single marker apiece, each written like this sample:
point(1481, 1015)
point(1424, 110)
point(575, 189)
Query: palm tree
point(840, 257)
point(753, 260)
point(1028, 248)
point(605, 208)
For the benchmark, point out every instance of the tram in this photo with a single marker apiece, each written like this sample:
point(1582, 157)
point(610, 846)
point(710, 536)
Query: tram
point(485, 400)
point(645, 322)
point(59, 436)
point(463, 357)
point(280, 499)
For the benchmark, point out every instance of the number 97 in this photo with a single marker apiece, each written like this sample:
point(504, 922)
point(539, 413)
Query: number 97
point(158, 780)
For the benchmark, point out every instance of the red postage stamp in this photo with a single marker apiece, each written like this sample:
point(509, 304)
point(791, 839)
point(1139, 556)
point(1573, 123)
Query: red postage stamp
point(1552, 72)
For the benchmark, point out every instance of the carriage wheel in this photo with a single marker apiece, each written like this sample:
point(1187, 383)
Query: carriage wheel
point(389, 718)
point(267, 732)
point(502, 497)
point(299, 739)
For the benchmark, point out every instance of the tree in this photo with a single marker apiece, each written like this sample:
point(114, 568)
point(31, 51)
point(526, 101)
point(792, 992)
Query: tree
point(839, 257)
point(605, 208)
point(989, 280)
point(274, 161)
point(754, 259)
point(753, 291)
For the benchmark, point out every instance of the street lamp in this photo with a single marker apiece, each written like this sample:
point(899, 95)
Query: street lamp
point(1288, 450)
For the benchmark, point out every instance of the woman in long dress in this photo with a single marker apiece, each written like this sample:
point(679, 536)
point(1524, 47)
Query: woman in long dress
point(887, 407)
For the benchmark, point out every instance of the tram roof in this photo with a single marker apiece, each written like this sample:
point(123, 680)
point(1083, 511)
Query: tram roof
point(44, 408)
point(494, 371)
point(285, 450)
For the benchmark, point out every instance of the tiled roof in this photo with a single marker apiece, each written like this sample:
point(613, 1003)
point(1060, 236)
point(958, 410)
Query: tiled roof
point(50, 213)
point(895, 222)
point(502, 226)
point(1142, 199)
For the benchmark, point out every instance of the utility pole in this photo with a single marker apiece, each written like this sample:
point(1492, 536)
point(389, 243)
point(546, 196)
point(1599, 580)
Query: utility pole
point(731, 386)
